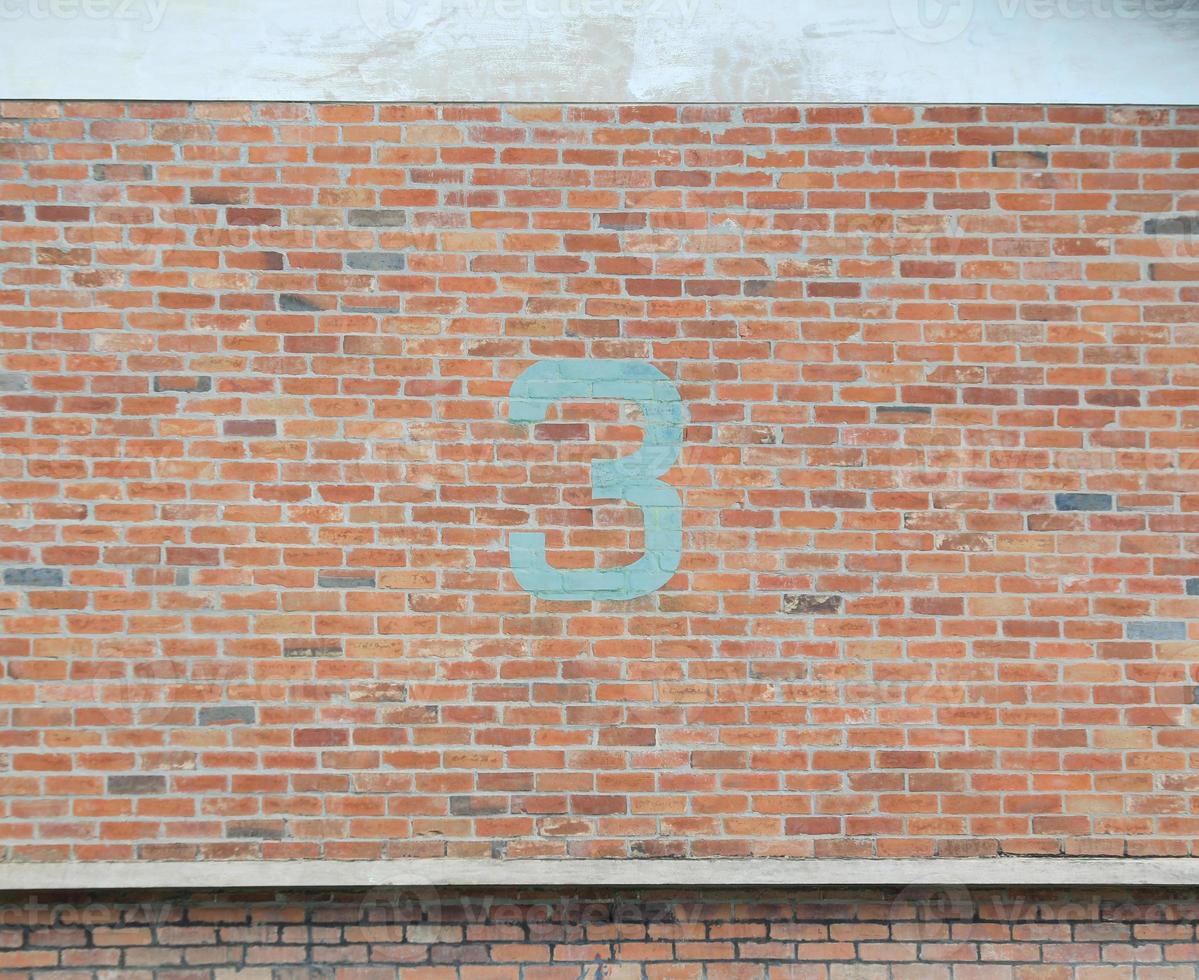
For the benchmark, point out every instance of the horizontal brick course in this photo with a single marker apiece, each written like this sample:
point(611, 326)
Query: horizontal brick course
point(918, 933)
point(261, 486)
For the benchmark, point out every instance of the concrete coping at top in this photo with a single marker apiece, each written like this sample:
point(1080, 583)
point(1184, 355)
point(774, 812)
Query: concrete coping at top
point(693, 874)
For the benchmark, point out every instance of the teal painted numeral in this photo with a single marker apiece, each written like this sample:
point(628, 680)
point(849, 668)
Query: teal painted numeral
point(633, 478)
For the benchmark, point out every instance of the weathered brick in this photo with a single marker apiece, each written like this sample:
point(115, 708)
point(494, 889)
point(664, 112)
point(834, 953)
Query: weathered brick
point(1181, 224)
point(376, 261)
point(1161, 630)
point(35, 577)
point(241, 714)
point(262, 510)
point(802, 605)
point(378, 217)
point(193, 384)
point(134, 785)
point(1083, 501)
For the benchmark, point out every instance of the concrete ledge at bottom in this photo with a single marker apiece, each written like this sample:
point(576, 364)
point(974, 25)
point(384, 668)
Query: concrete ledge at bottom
point(721, 873)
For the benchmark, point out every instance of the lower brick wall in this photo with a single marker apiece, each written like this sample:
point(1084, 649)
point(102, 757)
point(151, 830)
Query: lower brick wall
point(918, 933)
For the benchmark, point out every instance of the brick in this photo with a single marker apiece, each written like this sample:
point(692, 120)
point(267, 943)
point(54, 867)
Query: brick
point(378, 217)
point(337, 580)
point(1157, 631)
point(239, 714)
point(195, 385)
point(375, 261)
point(136, 785)
point(805, 605)
point(1083, 501)
point(34, 577)
point(272, 506)
point(1181, 224)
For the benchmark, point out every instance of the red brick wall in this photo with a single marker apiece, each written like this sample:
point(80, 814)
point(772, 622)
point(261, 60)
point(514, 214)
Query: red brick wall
point(939, 584)
point(811, 935)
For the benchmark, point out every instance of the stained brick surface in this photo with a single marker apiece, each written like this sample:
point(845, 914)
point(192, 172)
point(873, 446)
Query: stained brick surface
point(914, 934)
point(937, 591)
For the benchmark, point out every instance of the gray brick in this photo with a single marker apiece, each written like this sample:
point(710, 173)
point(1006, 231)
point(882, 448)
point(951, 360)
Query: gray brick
point(1157, 630)
point(334, 580)
point(223, 713)
point(295, 303)
point(1182, 224)
point(120, 171)
point(255, 831)
point(1083, 501)
point(164, 382)
point(10, 381)
point(476, 806)
point(312, 648)
point(33, 576)
point(378, 217)
point(134, 785)
point(1193, 586)
point(799, 605)
point(889, 412)
point(375, 261)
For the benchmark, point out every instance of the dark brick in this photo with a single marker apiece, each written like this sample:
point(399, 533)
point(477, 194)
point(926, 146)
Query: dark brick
point(1019, 158)
point(1181, 224)
point(294, 303)
point(335, 580)
point(133, 785)
point(312, 648)
point(33, 576)
point(195, 385)
point(121, 171)
point(460, 953)
point(253, 216)
point(12, 212)
point(1083, 501)
point(903, 413)
point(62, 212)
point(1193, 586)
point(220, 195)
point(244, 714)
point(1157, 630)
point(255, 831)
point(10, 381)
point(250, 427)
point(799, 605)
point(757, 287)
point(378, 217)
point(376, 261)
point(477, 806)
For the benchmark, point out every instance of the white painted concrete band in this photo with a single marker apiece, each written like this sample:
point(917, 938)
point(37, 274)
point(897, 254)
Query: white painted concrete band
point(852, 51)
point(731, 873)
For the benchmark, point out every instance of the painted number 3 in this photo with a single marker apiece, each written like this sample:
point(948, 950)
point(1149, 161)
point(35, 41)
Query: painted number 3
point(633, 478)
